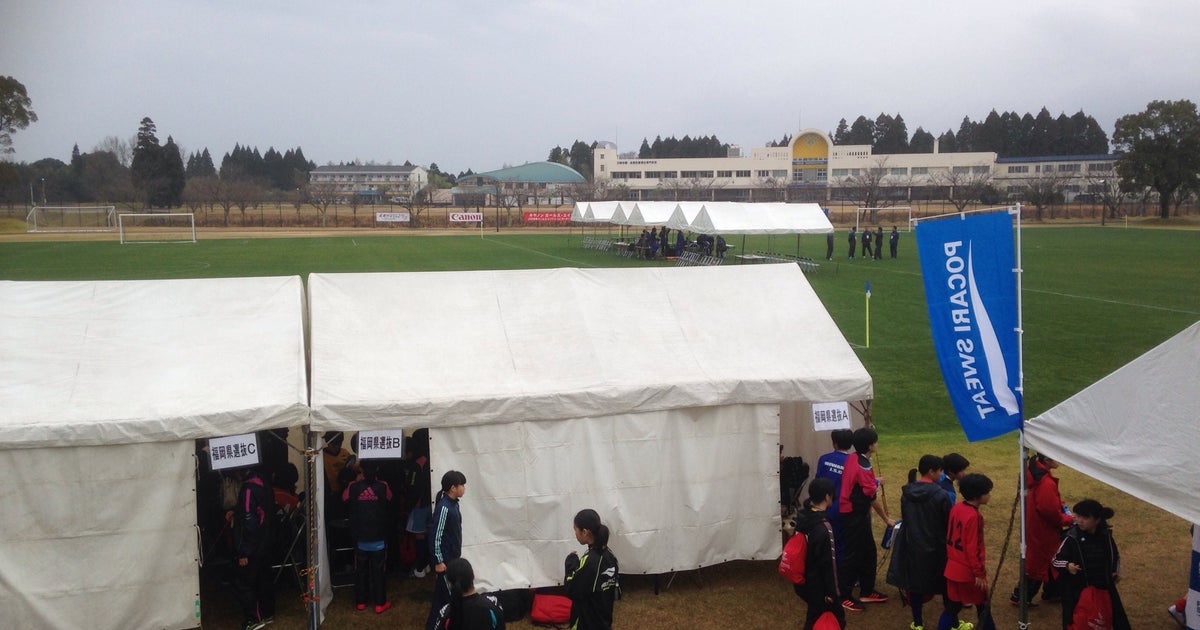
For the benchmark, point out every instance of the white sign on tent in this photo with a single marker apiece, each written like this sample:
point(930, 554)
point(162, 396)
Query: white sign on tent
point(233, 451)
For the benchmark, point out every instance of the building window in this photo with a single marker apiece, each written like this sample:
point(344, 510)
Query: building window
point(743, 173)
point(962, 170)
point(764, 173)
point(724, 173)
point(1018, 168)
point(779, 174)
point(981, 170)
point(1069, 168)
point(920, 170)
point(898, 171)
point(841, 172)
point(696, 174)
point(1100, 167)
point(822, 176)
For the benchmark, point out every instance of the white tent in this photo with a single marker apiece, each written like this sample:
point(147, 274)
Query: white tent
point(1137, 428)
point(600, 211)
point(104, 386)
point(755, 218)
point(631, 391)
point(579, 212)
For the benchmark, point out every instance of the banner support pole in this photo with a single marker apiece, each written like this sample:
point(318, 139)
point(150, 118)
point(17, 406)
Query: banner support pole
point(1023, 584)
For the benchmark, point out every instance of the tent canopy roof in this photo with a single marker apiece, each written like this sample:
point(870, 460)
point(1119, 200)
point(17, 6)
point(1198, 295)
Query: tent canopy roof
point(1135, 429)
point(722, 217)
point(460, 348)
point(95, 363)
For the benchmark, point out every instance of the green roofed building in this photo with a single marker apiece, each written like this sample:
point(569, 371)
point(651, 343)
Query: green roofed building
point(535, 183)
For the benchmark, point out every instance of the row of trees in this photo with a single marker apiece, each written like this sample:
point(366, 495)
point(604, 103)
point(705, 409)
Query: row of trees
point(1008, 135)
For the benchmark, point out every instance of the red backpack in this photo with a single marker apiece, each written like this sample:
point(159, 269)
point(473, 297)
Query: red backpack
point(795, 553)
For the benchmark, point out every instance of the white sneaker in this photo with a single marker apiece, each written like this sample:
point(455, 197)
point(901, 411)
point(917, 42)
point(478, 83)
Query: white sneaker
point(421, 573)
point(1177, 616)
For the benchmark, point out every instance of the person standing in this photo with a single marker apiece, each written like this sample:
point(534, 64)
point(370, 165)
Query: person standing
point(820, 589)
point(919, 547)
point(592, 581)
point(1045, 518)
point(445, 538)
point(368, 500)
point(966, 557)
point(954, 466)
point(830, 466)
point(879, 244)
point(893, 241)
point(866, 243)
point(829, 245)
point(1088, 557)
point(468, 610)
point(853, 242)
point(253, 539)
point(858, 496)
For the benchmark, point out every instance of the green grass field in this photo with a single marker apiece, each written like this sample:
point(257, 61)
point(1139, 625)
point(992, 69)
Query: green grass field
point(1094, 298)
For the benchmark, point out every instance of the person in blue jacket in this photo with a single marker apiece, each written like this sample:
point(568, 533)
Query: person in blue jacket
point(445, 539)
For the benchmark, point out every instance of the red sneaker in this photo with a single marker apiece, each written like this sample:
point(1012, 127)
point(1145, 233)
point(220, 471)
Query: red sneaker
point(874, 597)
point(360, 606)
point(380, 609)
point(852, 605)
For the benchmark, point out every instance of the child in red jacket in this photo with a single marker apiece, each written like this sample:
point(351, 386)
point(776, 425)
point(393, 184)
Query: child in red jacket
point(1046, 516)
point(966, 557)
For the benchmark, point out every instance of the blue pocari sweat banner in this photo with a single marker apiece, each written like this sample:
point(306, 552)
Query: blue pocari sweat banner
point(971, 291)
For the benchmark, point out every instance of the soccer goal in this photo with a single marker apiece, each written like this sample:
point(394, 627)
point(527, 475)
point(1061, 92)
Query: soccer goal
point(899, 216)
point(157, 227)
point(71, 219)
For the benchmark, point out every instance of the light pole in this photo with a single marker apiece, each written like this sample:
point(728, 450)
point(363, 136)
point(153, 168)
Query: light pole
point(43, 191)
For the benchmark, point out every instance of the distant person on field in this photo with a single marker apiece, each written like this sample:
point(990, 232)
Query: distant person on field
point(830, 466)
point(966, 557)
point(919, 547)
point(866, 243)
point(722, 246)
point(879, 244)
point(954, 467)
point(858, 496)
point(592, 581)
point(820, 589)
point(680, 242)
point(853, 242)
point(893, 241)
point(829, 245)
point(468, 610)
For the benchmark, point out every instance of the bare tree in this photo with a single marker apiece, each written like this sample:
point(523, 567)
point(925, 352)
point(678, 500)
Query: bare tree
point(321, 195)
point(967, 184)
point(770, 189)
point(1108, 190)
point(1044, 191)
point(245, 194)
point(417, 203)
point(701, 188)
point(864, 187)
point(122, 149)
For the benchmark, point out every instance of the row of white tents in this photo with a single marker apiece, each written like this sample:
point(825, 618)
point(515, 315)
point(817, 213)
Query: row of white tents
point(709, 217)
point(533, 383)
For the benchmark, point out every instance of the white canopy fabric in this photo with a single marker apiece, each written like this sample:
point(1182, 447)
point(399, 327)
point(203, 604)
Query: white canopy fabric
point(93, 363)
point(579, 212)
point(559, 389)
point(755, 218)
point(651, 212)
point(601, 211)
point(1137, 428)
point(479, 347)
point(103, 388)
point(684, 215)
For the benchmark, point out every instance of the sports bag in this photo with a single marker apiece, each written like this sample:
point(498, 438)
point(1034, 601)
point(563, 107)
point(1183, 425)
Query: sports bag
point(1093, 610)
point(550, 609)
point(792, 562)
point(827, 621)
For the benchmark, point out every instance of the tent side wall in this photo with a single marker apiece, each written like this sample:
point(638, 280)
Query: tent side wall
point(678, 490)
point(71, 514)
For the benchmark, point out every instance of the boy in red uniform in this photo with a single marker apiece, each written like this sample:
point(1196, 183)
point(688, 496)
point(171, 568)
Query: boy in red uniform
point(966, 557)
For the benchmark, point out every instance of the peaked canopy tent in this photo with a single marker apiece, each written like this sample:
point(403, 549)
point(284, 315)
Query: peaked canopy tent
point(651, 212)
point(615, 389)
point(579, 212)
point(104, 388)
point(755, 218)
point(1135, 429)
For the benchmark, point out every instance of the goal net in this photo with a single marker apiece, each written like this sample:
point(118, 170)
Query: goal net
point(71, 219)
point(899, 216)
point(159, 227)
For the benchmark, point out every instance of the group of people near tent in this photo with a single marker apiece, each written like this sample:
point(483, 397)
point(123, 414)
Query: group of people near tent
point(872, 243)
point(937, 544)
point(381, 510)
point(657, 242)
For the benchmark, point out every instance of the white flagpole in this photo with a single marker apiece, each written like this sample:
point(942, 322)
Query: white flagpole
point(1023, 588)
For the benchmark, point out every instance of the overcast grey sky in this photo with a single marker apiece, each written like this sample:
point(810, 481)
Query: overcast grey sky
point(480, 84)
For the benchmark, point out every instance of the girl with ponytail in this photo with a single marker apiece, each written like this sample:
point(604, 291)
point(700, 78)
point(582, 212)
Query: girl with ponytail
point(591, 580)
point(467, 609)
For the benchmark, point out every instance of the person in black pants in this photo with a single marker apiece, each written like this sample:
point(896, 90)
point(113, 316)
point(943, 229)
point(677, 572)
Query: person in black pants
point(445, 538)
point(866, 243)
point(893, 241)
point(820, 589)
point(853, 242)
point(253, 539)
point(368, 502)
point(879, 244)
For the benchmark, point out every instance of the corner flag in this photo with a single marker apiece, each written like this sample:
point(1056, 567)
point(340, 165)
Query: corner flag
point(971, 292)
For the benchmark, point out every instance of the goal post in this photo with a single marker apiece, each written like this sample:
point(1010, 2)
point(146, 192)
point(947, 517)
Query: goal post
point(899, 216)
point(157, 227)
point(67, 219)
